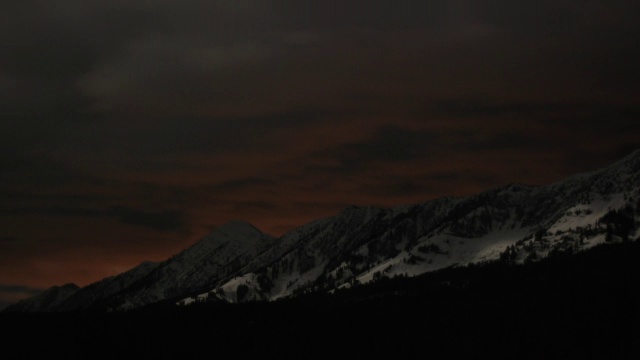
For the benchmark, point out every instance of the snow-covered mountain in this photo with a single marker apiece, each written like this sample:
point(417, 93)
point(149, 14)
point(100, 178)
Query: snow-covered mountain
point(514, 224)
point(220, 255)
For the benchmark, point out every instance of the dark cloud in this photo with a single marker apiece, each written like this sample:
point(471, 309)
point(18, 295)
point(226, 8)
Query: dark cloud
point(48, 47)
point(428, 186)
point(525, 18)
point(399, 188)
point(167, 220)
point(54, 211)
point(484, 141)
point(19, 288)
point(255, 205)
point(323, 206)
point(20, 169)
point(40, 30)
point(144, 146)
point(568, 112)
point(213, 135)
point(376, 14)
point(389, 143)
point(241, 184)
point(463, 108)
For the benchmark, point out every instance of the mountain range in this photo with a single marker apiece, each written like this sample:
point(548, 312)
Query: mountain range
point(237, 262)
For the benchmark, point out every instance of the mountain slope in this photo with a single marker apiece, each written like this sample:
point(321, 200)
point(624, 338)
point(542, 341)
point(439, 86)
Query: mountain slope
point(512, 224)
point(515, 223)
point(48, 301)
point(91, 295)
point(216, 257)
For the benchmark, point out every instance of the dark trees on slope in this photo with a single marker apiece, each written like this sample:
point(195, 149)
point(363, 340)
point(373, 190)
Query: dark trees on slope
point(620, 223)
point(241, 293)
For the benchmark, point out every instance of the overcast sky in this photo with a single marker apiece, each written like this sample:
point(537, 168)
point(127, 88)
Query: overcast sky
point(130, 129)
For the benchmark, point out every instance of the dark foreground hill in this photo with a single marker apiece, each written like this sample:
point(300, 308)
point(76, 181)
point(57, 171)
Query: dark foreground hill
point(565, 306)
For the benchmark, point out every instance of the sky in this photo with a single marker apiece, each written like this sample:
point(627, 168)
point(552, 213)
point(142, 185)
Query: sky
point(131, 129)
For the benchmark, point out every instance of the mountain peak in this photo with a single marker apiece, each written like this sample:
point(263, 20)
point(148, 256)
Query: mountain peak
point(70, 286)
point(629, 164)
point(237, 227)
point(236, 231)
point(634, 154)
point(632, 158)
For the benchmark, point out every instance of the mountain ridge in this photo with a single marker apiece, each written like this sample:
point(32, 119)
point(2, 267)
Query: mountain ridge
point(513, 223)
